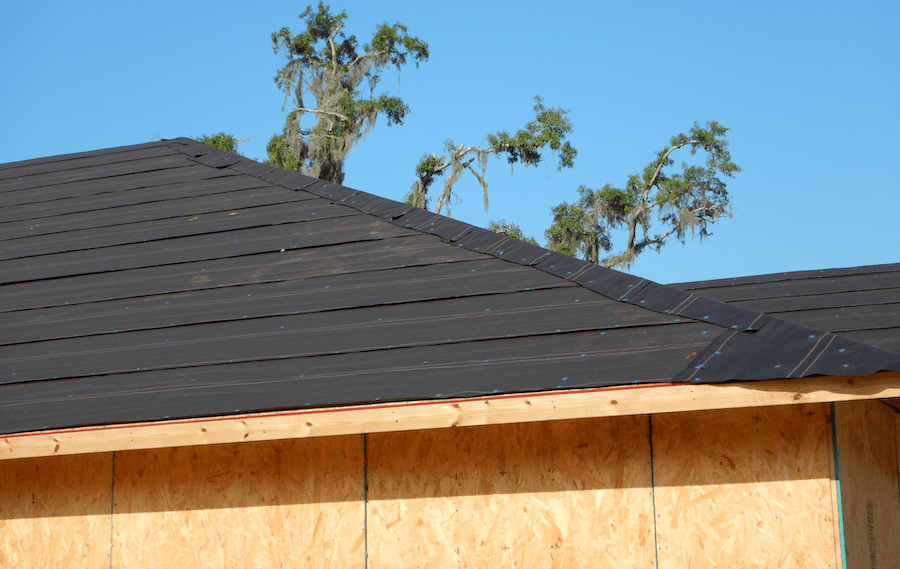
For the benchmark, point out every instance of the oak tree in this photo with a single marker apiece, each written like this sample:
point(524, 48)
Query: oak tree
point(341, 76)
point(687, 200)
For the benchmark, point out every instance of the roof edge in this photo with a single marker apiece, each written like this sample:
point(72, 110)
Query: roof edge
point(444, 414)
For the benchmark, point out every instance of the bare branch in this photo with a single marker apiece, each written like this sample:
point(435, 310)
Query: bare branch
point(365, 56)
point(484, 186)
point(321, 112)
point(333, 35)
point(455, 173)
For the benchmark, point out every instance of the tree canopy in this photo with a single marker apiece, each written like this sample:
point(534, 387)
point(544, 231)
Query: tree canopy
point(654, 206)
point(685, 201)
point(341, 76)
point(547, 131)
point(510, 230)
point(222, 141)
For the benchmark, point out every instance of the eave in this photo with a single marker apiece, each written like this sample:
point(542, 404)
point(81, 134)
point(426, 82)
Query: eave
point(450, 413)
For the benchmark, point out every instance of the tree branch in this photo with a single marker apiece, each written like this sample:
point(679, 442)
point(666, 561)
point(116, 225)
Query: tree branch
point(321, 112)
point(446, 193)
point(480, 181)
point(440, 168)
point(360, 58)
point(657, 241)
point(662, 163)
point(333, 48)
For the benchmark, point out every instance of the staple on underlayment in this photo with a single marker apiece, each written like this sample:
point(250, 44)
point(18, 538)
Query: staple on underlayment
point(386, 209)
point(360, 201)
point(276, 176)
point(340, 194)
point(517, 251)
point(560, 265)
point(295, 181)
point(417, 218)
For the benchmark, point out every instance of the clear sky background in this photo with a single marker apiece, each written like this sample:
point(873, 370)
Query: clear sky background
point(810, 91)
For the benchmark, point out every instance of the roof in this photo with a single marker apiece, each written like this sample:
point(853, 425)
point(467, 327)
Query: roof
point(172, 280)
point(858, 303)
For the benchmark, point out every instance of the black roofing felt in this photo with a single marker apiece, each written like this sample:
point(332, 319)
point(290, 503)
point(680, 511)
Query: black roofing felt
point(860, 303)
point(173, 280)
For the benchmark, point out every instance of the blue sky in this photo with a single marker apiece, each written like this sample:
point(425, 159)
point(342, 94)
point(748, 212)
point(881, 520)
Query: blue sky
point(810, 91)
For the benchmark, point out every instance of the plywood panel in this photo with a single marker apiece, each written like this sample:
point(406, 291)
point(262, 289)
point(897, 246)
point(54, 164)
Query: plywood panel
point(745, 488)
point(548, 494)
point(275, 504)
point(870, 497)
point(54, 512)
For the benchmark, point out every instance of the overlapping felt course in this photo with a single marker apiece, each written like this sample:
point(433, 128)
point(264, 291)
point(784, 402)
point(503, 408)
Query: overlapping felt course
point(858, 303)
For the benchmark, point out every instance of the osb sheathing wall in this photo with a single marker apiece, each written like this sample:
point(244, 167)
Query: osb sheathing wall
point(736, 488)
point(745, 489)
point(513, 496)
point(292, 503)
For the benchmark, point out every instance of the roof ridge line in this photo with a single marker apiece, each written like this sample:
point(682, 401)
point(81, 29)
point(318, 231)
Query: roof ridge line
point(77, 155)
point(797, 276)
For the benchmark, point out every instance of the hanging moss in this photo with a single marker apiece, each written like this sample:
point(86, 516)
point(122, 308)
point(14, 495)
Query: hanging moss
point(341, 76)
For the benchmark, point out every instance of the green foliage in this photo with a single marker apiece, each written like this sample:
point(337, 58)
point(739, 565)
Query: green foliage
point(510, 230)
point(425, 172)
point(687, 200)
point(332, 67)
point(394, 108)
point(278, 155)
point(221, 141)
point(573, 234)
point(547, 131)
point(426, 165)
point(277, 151)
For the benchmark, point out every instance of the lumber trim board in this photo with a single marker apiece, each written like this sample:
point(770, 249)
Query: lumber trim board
point(870, 500)
point(447, 413)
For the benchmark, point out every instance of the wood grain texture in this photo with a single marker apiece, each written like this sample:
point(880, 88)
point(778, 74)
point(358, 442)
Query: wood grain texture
point(744, 488)
point(417, 415)
point(54, 512)
point(547, 494)
point(870, 491)
point(282, 504)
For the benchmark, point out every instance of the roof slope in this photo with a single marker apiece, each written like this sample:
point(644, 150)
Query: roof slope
point(860, 303)
point(171, 280)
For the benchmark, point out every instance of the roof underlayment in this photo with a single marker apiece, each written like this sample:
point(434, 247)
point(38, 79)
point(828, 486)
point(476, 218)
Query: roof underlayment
point(172, 280)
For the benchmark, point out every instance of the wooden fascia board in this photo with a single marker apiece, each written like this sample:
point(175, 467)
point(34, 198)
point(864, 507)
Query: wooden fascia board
point(447, 413)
